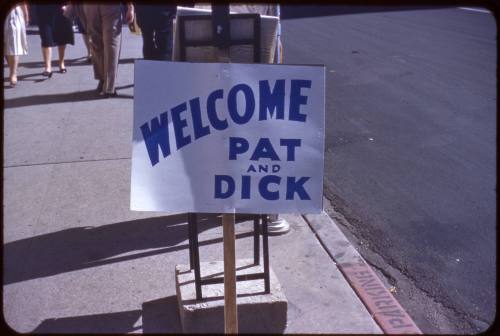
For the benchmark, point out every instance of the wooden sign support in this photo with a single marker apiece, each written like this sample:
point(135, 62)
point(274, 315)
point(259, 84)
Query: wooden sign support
point(230, 306)
point(222, 36)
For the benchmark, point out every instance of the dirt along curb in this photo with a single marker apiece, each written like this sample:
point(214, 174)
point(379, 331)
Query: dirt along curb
point(379, 301)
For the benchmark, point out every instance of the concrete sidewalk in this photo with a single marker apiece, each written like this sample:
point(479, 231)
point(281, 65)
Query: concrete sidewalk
point(76, 259)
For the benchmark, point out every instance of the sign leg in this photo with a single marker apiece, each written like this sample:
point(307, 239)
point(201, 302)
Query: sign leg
point(230, 307)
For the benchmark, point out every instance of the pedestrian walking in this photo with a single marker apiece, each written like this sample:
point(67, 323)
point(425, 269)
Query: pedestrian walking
point(74, 12)
point(15, 42)
point(85, 37)
point(104, 26)
point(55, 30)
point(155, 22)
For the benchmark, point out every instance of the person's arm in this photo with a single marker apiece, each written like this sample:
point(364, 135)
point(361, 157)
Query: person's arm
point(26, 13)
point(130, 12)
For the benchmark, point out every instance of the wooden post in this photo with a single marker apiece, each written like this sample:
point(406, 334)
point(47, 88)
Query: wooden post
point(221, 38)
point(230, 306)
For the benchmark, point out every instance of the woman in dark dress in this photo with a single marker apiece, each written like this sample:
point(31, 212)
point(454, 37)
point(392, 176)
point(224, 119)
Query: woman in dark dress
point(155, 22)
point(55, 30)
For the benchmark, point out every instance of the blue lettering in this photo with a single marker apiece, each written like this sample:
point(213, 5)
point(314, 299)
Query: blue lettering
point(263, 168)
point(179, 125)
point(251, 169)
point(233, 106)
point(216, 123)
point(199, 129)
point(296, 99)
point(293, 186)
point(290, 144)
point(245, 187)
point(272, 101)
point(230, 186)
point(156, 136)
point(264, 187)
point(264, 150)
point(237, 146)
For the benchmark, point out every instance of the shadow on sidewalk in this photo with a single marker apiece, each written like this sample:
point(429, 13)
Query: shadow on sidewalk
point(36, 77)
point(158, 316)
point(80, 61)
point(55, 98)
point(85, 247)
point(54, 64)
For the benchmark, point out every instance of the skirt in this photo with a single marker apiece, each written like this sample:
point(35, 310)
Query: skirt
point(55, 29)
point(15, 42)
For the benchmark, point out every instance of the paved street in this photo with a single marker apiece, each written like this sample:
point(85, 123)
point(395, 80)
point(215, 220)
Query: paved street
point(410, 162)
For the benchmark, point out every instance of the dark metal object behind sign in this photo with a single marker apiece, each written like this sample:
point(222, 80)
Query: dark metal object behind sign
point(221, 32)
point(186, 41)
point(194, 255)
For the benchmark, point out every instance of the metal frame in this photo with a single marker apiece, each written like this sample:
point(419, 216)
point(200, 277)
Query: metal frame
point(194, 255)
point(221, 39)
point(184, 42)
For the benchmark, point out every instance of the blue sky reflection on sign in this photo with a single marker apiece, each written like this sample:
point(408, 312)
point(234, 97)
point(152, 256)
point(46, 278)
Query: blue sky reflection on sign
point(213, 137)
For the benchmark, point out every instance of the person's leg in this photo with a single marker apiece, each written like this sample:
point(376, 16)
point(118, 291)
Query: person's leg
point(12, 62)
point(82, 30)
point(145, 22)
point(112, 29)
point(47, 59)
point(46, 29)
point(148, 44)
point(15, 63)
point(94, 28)
point(86, 40)
point(61, 49)
point(163, 38)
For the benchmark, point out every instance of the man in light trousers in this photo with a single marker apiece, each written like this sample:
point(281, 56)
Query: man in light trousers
point(104, 26)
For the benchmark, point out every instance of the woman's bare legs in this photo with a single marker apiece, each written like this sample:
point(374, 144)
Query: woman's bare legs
point(47, 58)
point(12, 61)
point(62, 50)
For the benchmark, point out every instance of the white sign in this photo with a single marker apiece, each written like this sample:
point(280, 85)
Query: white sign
point(213, 137)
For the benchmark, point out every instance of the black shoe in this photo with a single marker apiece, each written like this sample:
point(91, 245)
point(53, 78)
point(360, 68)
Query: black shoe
point(63, 70)
point(99, 87)
point(47, 74)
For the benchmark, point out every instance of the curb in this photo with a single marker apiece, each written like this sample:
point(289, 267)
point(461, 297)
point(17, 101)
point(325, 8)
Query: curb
point(382, 305)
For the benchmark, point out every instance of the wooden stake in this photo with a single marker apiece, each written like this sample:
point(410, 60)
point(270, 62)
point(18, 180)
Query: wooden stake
point(221, 38)
point(230, 307)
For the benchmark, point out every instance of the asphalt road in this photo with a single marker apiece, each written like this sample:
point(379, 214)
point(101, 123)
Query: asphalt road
point(411, 148)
